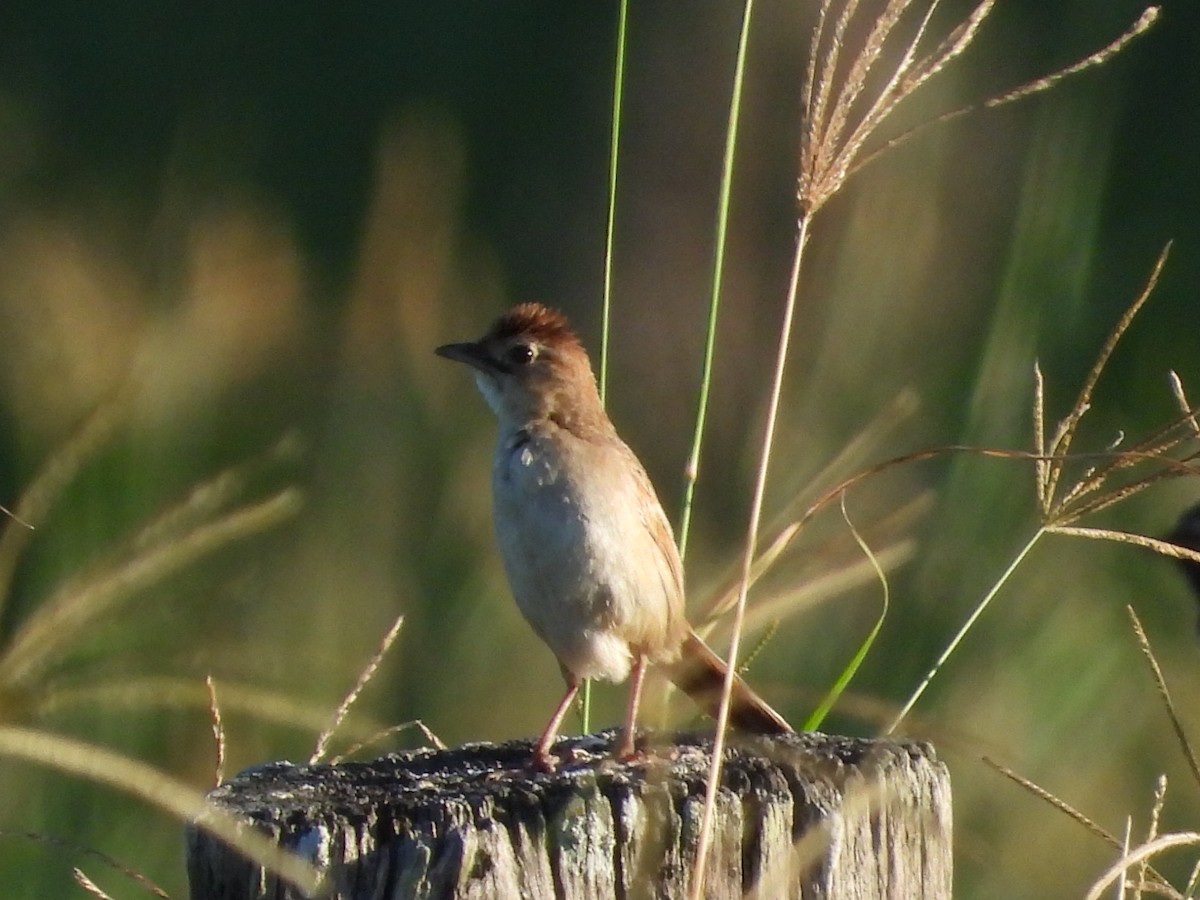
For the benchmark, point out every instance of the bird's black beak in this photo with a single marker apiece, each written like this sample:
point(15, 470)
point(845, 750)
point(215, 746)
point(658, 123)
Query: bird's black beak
point(473, 353)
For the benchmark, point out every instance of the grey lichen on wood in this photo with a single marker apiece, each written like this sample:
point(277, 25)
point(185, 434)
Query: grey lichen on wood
point(805, 815)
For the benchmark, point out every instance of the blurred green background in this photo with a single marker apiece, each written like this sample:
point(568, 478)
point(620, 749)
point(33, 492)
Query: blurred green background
point(253, 222)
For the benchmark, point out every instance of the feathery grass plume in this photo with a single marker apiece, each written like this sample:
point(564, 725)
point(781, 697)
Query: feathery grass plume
point(47, 485)
point(1157, 879)
point(1116, 474)
point(839, 121)
point(364, 679)
point(1108, 477)
point(187, 531)
point(159, 789)
point(1160, 682)
point(50, 632)
point(1147, 878)
point(199, 525)
point(837, 125)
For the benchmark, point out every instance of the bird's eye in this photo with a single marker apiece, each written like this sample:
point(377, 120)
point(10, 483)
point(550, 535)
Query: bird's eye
point(522, 354)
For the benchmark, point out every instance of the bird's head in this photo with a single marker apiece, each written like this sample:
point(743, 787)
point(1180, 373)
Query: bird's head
point(531, 366)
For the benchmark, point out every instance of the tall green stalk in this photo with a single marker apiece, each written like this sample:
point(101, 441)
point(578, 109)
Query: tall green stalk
point(692, 470)
point(693, 465)
point(613, 154)
point(614, 147)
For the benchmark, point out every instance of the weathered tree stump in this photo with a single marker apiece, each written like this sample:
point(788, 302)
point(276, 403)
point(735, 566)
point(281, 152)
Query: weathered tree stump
point(799, 816)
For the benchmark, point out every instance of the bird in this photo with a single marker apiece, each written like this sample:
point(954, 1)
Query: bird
point(589, 553)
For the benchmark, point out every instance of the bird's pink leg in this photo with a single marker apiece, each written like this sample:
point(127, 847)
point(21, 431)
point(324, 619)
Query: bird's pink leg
point(626, 749)
point(542, 760)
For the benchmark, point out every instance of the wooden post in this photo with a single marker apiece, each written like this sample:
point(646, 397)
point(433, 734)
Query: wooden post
point(806, 815)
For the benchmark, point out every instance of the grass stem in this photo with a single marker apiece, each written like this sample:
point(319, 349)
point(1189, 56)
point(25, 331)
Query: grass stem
point(748, 553)
point(692, 469)
point(962, 632)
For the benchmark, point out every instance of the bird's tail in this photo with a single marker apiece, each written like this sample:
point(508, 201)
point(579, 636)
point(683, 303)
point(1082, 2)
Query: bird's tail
point(700, 674)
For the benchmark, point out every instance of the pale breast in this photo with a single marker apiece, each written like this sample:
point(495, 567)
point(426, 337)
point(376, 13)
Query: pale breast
point(581, 554)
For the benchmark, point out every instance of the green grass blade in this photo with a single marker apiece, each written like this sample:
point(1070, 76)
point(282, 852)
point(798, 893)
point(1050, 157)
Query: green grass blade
point(818, 715)
point(962, 632)
point(692, 469)
point(585, 696)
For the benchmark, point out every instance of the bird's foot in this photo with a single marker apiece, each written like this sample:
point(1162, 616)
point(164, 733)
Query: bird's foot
point(544, 762)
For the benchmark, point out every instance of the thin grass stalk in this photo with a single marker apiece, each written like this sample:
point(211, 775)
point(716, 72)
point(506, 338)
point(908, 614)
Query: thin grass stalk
point(143, 694)
point(1072, 507)
point(1061, 805)
point(1166, 548)
point(211, 495)
point(1152, 448)
point(1116, 495)
point(1184, 404)
point(1160, 800)
point(1193, 882)
point(364, 678)
point(436, 742)
point(91, 852)
point(827, 703)
point(1042, 464)
point(751, 542)
point(218, 731)
point(854, 453)
point(89, 886)
point(775, 608)
point(692, 469)
point(1158, 882)
point(784, 527)
point(610, 228)
point(1145, 851)
point(1127, 839)
point(614, 152)
point(1061, 442)
point(962, 631)
point(1164, 692)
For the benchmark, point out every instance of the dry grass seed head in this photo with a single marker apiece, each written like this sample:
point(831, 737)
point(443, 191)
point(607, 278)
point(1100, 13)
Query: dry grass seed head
point(831, 150)
point(838, 122)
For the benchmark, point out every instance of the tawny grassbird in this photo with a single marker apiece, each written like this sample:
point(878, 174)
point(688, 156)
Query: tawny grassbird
point(587, 548)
